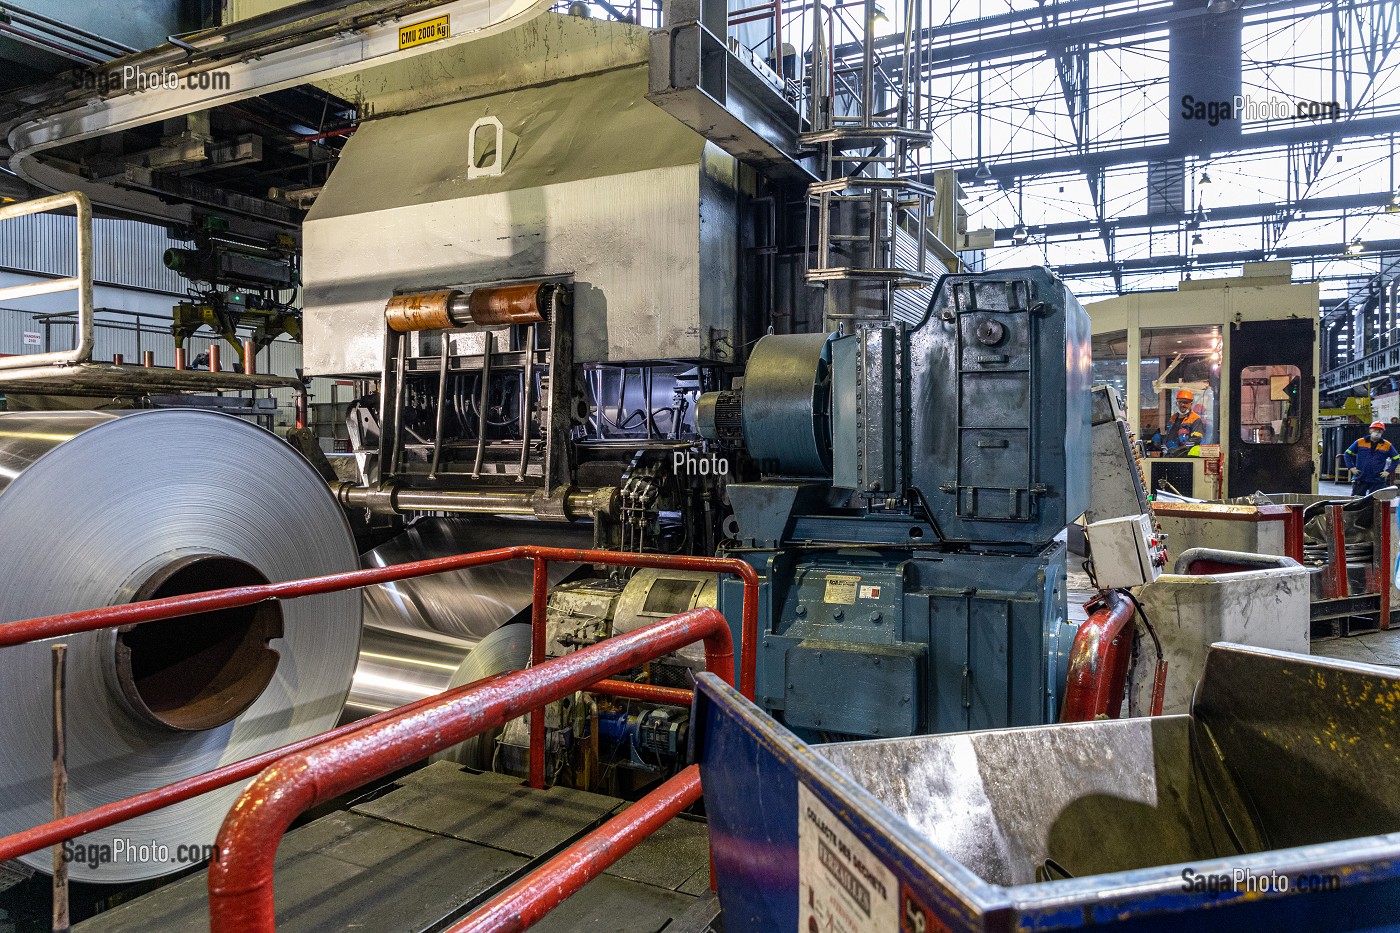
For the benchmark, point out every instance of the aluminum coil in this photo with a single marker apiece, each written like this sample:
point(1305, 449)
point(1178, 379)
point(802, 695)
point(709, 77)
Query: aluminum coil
point(101, 508)
point(419, 632)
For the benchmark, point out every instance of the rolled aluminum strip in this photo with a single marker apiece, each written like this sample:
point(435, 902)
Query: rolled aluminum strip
point(94, 506)
point(397, 667)
point(506, 649)
point(418, 632)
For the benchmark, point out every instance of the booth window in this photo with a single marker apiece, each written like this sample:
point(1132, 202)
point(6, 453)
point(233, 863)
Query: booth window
point(1111, 361)
point(1269, 404)
point(1175, 360)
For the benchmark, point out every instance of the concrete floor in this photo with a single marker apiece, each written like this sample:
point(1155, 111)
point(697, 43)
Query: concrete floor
point(1371, 648)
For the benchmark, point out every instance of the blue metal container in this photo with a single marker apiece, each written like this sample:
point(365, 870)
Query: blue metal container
point(1272, 806)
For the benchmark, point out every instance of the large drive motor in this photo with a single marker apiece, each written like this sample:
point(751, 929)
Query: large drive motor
point(915, 477)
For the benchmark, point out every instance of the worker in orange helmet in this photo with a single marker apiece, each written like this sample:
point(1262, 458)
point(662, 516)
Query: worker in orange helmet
point(1371, 461)
point(1186, 428)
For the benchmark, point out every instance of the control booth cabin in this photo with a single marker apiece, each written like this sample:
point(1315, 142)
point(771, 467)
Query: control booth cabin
point(1247, 350)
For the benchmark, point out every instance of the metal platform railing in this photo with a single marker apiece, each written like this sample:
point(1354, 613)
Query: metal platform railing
point(591, 674)
point(241, 879)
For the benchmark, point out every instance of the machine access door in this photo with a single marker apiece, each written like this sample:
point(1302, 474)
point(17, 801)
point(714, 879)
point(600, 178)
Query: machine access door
point(1272, 399)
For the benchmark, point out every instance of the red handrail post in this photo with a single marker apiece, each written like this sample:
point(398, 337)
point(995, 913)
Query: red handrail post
point(538, 646)
point(241, 877)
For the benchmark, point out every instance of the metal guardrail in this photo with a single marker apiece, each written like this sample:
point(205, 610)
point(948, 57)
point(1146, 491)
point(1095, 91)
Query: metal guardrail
point(241, 878)
point(1383, 362)
point(81, 283)
point(577, 864)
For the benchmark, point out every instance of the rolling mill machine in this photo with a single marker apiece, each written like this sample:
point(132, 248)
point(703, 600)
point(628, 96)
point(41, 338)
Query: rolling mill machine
point(686, 319)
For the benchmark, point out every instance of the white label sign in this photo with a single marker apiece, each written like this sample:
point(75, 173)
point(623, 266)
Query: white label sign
point(842, 887)
point(841, 588)
point(32, 339)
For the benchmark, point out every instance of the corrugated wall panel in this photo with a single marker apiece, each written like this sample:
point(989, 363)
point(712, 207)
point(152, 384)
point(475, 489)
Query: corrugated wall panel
point(125, 252)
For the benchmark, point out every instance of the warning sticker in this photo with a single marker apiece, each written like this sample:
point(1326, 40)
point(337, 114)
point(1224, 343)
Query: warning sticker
point(429, 30)
point(869, 592)
point(842, 887)
point(841, 588)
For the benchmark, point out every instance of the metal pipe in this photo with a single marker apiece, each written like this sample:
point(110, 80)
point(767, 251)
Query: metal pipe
point(101, 44)
point(250, 358)
point(37, 41)
point(393, 500)
point(387, 400)
point(441, 406)
point(60, 789)
point(148, 359)
point(180, 358)
point(538, 608)
point(82, 282)
point(481, 413)
point(214, 366)
point(650, 693)
point(241, 876)
point(526, 396)
point(528, 900)
point(118, 359)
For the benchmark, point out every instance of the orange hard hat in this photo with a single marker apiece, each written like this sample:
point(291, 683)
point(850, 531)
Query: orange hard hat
point(1377, 425)
point(1184, 395)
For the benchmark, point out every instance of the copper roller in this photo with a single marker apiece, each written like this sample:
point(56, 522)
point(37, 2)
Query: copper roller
point(489, 306)
point(421, 311)
point(511, 304)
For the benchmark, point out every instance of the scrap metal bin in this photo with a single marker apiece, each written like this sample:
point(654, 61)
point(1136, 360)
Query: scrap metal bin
point(1273, 805)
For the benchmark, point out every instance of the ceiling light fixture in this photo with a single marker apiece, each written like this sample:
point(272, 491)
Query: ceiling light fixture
point(1355, 247)
point(1019, 234)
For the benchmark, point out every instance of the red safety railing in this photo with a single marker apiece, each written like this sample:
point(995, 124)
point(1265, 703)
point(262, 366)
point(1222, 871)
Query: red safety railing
point(70, 827)
point(241, 878)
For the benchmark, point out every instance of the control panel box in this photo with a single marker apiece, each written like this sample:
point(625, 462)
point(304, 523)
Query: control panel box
point(1126, 551)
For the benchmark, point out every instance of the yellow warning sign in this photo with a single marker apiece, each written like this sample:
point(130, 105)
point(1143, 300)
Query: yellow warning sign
point(430, 30)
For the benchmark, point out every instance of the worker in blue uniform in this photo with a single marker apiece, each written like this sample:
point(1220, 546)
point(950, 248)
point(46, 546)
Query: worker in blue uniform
point(1186, 428)
point(1372, 461)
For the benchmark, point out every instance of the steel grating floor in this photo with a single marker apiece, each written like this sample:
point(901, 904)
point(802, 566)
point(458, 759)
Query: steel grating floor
point(411, 860)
